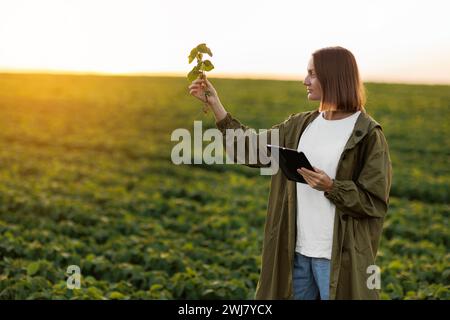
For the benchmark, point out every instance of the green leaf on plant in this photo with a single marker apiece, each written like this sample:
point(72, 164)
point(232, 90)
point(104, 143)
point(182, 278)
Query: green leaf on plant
point(207, 65)
point(193, 54)
point(33, 268)
point(204, 49)
point(193, 74)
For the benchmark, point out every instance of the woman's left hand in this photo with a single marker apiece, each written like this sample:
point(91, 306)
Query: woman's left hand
point(318, 180)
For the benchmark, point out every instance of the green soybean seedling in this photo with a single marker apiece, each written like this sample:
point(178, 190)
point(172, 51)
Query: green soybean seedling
point(201, 67)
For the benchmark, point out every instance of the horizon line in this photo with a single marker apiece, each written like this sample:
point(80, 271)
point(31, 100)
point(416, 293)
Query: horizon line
point(220, 75)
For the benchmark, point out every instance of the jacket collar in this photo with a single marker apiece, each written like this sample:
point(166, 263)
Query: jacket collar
point(364, 124)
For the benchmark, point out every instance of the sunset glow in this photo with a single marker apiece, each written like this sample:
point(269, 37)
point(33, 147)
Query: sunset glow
point(401, 41)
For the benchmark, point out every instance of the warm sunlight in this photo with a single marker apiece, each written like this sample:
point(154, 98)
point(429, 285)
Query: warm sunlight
point(406, 41)
point(125, 174)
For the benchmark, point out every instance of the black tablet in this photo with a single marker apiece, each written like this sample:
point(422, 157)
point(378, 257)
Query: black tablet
point(290, 161)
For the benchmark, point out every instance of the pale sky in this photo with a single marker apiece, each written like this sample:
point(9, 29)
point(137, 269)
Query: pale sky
point(392, 40)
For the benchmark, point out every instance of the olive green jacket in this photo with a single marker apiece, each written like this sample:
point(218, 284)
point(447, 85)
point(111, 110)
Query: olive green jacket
point(360, 194)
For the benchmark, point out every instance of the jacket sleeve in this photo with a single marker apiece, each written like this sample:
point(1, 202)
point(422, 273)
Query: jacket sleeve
point(368, 196)
point(237, 136)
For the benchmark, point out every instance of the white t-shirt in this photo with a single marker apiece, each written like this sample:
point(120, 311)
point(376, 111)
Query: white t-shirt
point(322, 142)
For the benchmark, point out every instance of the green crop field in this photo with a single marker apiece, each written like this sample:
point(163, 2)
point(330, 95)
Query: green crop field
point(87, 179)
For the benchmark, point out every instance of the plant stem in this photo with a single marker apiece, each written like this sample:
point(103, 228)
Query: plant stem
point(205, 107)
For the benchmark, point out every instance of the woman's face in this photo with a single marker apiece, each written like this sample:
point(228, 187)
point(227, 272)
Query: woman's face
point(312, 83)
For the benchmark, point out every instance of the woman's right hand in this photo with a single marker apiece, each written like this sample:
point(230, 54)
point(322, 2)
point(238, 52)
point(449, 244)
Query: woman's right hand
point(198, 88)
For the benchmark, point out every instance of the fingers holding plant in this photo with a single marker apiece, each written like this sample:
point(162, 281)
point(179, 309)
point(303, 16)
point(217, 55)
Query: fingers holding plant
point(201, 88)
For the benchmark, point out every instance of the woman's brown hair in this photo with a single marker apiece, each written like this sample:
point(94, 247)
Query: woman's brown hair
point(338, 74)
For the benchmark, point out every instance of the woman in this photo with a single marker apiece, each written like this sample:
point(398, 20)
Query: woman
point(321, 238)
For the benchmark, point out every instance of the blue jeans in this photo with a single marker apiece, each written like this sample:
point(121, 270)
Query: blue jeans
point(311, 278)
